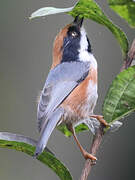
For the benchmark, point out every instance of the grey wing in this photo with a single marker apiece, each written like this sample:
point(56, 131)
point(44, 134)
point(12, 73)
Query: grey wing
point(49, 102)
point(59, 84)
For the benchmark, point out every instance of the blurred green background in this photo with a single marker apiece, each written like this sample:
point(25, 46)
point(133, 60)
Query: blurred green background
point(25, 58)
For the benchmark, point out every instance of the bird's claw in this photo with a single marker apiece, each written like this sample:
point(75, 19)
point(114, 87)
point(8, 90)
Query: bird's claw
point(100, 118)
point(90, 156)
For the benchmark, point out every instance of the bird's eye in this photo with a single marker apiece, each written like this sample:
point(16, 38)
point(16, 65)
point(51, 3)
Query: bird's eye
point(74, 34)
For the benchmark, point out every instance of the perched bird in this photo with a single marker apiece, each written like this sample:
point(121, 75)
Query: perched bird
point(70, 91)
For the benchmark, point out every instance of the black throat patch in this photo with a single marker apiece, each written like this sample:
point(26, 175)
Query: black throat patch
point(71, 45)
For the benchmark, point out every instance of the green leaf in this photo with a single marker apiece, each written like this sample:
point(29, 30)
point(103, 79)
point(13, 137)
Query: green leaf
point(27, 145)
point(120, 99)
point(125, 9)
point(67, 133)
point(90, 9)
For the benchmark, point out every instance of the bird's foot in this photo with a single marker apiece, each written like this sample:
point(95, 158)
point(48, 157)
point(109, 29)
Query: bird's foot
point(100, 118)
point(89, 156)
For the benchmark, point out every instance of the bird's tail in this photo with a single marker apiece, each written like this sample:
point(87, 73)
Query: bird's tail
point(47, 131)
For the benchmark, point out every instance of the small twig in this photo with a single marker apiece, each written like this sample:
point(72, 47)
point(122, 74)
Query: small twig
point(99, 134)
point(130, 56)
point(95, 145)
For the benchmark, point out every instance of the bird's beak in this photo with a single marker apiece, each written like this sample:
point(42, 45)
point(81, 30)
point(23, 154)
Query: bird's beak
point(78, 21)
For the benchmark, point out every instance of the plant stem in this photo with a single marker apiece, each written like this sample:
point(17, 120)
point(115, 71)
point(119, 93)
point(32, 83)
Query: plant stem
point(95, 145)
point(130, 56)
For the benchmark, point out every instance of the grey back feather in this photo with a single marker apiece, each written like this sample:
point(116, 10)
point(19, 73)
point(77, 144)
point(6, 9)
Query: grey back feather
point(59, 84)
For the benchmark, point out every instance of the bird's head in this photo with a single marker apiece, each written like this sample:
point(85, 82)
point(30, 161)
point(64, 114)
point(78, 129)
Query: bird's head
point(70, 42)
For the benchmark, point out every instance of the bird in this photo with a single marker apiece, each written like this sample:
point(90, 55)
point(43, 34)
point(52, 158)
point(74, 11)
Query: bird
point(69, 94)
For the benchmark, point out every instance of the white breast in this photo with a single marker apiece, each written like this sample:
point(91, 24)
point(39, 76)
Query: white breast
point(84, 55)
point(92, 95)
